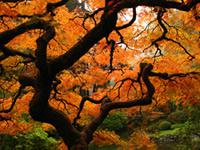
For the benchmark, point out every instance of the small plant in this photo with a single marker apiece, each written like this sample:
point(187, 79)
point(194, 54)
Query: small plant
point(35, 140)
point(115, 121)
point(164, 125)
point(172, 106)
point(26, 117)
point(141, 141)
point(178, 117)
point(105, 138)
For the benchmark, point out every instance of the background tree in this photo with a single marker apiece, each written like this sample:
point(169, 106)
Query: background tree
point(42, 44)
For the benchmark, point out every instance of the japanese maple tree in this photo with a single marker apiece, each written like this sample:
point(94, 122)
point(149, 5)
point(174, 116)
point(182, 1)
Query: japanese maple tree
point(99, 52)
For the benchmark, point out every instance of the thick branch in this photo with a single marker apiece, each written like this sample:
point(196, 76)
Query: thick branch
point(108, 106)
point(11, 52)
point(81, 105)
point(100, 31)
point(41, 51)
point(52, 6)
point(34, 23)
point(40, 110)
point(155, 3)
point(167, 76)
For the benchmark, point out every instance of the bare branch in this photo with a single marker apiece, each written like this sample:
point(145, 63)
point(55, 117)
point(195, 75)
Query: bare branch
point(164, 37)
point(14, 100)
point(131, 21)
point(109, 105)
point(81, 106)
point(167, 76)
point(10, 52)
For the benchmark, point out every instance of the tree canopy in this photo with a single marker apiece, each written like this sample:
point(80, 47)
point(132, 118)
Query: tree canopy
point(71, 58)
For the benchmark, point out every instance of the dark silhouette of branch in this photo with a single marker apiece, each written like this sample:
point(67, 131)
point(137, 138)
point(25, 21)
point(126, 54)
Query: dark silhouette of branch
point(89, 16)
point(81, 106)
point(10, 52)
point(14, 100)
point(130, 22)
point(167, 76)
point(145, 70)
point(5, 118)
point(164, 37)
point(50, 7)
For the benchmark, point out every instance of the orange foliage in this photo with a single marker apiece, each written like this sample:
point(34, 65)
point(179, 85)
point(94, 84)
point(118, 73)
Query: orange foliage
point(140, 140)
point(103, 137)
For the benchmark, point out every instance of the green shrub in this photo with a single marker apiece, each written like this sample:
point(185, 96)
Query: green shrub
point(7, 141)
point(115, 121)
point(164, 125)
point(35, 140)
point(137, 120)
point(26, 117)
point(195, 143)
point(172, 106)
point(178, 117)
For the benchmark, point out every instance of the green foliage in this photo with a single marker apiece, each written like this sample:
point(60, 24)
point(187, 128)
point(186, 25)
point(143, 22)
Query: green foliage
point(193, 123)
point(26, 117)
point(175, 131)
point(115, 121)
point(36, 140)
point(187, 134)
point(178, 117)
point(4, 94)
point(172, 106)
point(164, 125)
point(195, 143)
point(178, 125)
point(7, 141)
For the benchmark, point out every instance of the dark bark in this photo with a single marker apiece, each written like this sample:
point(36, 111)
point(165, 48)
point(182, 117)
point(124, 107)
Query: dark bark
point(101, 30)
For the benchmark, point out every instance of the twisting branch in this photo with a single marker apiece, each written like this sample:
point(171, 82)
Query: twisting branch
point(130, 22)
point(50, 7)
point(5, 118)
point(145, 70)
point(167, 76)
point(164, 37)
point(40, 109)
point(55, 96)
point(190, 56)
point(81, 106)
point(14, 100)
point(92, 16)
point(88, 16)
point(55, 83)
point(144, 74)
point(42, 41)
point(10, 52)
point(120, 83)
point(34, 23)
point(41, 51)
point(146, 28)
